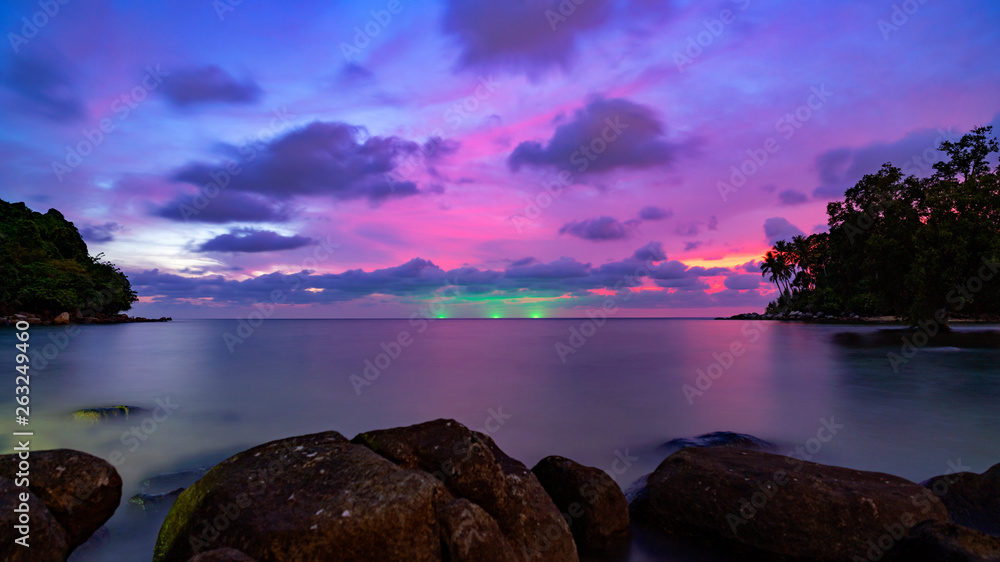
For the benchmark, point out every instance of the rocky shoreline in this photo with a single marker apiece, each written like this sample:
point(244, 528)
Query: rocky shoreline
point(438, 491)
point(65, 318)
point(842, 318)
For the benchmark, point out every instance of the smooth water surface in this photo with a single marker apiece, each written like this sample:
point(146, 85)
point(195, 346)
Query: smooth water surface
point(611, 404)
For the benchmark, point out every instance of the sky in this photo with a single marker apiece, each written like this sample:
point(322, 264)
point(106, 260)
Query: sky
point(495, 158)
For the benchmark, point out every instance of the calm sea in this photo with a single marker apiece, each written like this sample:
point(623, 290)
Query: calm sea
point(606, 396)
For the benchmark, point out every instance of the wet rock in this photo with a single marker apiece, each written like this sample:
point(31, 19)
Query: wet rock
point(726, 439)
point(972, 500)
point(303, 498)
point(760, 504)
point(590, 501)
point(94, 415)
point(473, 467)
point(146, 502)
point(46, 537)
point(61, 320)
point(80, 490)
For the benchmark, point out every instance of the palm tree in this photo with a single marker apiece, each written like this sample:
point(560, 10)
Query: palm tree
point(776, 265)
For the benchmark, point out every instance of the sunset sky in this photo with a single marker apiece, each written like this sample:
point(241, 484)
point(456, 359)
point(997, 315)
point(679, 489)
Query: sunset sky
point(502, 158)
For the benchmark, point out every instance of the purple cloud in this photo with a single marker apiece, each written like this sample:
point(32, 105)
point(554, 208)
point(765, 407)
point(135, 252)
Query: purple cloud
point(654, 213)
point(248, 240)
point(227, 207)
point(597, 229)
point(325, 158)
point(605, 135)
point(100, 232)
point(792, 197)
point(778, 228)
point(208, 84)
point(44, 87)
point(521, 35)
point(742, 282)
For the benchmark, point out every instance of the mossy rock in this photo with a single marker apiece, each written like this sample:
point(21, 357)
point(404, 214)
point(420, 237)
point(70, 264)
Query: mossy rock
point(94, 415)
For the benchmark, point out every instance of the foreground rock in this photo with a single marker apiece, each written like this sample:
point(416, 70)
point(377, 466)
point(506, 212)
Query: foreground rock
point(972, 500)
point(431, 492)
point(758, 504)
point(473, 467)
point(946, 542)
point(71, 494)
point(222, 555)
point(590, 501)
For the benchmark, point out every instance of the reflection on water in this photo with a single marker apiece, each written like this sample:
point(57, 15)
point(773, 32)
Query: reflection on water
point(632, 386)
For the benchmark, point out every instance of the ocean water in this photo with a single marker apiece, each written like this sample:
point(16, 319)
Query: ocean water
point(606, 396)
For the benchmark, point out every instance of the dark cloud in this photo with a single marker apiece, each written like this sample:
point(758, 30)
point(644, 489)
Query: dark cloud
point(694, 245)
point(687, 229)
point(324, 158)
point(778, 228)
point(100, 232)
point(529, 36)
point(563, 268)
point(742, 282)
point(44, 86)
point(421, 279)
point(915, 154)
point(208, 84)
point(249, 240)
point(713, 223)
point(226, 207)
point(751, 266)
point(598, 229)
point(606, 134)
point(792, 197)
point(654, 213)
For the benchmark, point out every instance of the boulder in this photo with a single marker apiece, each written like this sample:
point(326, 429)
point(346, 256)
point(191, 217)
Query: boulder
point(972, 500)
point(47, 538)
point(766, 505)
point(80, 490)
point(590, 501)
point(94, 415)
point(303, 498)
point(146, 502)
point(726, 439)
point(471, 466)
point(469, 533)
point(222, 555)
point(61, 320)
point(946, 542)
